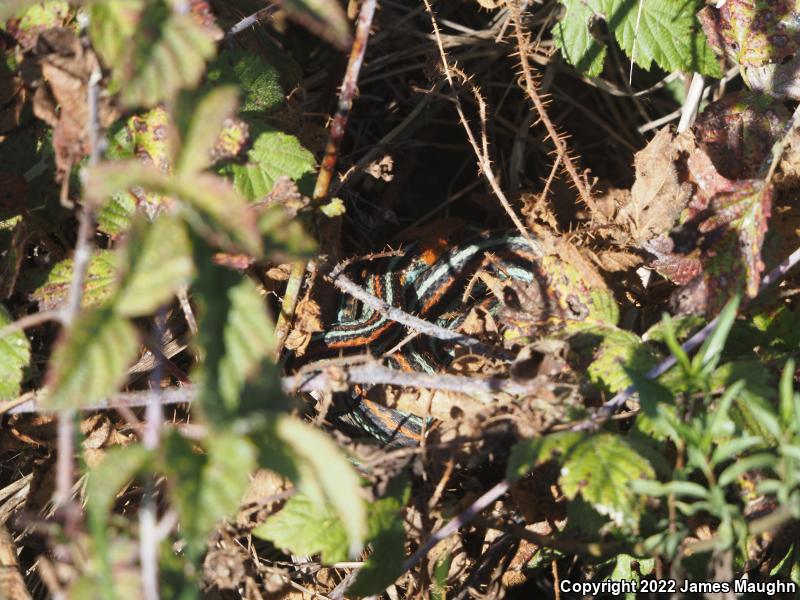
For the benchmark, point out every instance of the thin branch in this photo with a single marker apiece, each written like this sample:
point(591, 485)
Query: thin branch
point(325, 176)
point(465, 517)
point(32, 321)
point(348, 92)
point(342, 282)
point(289, 303)
point(532, 90)
point(374, 373)
point(251, 20)
point(482, 155)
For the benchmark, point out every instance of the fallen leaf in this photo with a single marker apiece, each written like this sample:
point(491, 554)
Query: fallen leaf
point(66, 67)
point(657, 197)
point(738, 131)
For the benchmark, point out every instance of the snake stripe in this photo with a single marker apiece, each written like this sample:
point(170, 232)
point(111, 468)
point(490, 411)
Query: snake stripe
point(432, 291)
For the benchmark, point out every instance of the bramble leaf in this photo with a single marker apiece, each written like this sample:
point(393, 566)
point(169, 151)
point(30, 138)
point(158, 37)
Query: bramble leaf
point(387, 536)
point(15, 353)
point(151, 41)
point(307, 528)
point(259, 81)
point(321, 472)
point(324, 18)
point(90, 360)
point(599, 467)
point(206, 488)
point(235, 337)
point(273, 154)
point(99, 283)
point(207, 120)
point(118, 466)
point(156, 263)
point(663, 32)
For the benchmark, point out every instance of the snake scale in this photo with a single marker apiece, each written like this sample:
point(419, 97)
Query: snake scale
point(493, 271)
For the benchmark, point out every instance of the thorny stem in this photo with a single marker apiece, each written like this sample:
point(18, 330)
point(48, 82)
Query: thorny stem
point(481, 151)
point(530, 87)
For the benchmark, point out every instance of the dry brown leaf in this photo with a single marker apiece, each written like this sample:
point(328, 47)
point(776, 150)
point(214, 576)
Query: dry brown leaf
point(63, 104)
point(307, 322)
point(657, 196)
point(613, 261)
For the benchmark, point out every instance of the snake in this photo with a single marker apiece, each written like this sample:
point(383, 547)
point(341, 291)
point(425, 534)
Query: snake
point(438, 282)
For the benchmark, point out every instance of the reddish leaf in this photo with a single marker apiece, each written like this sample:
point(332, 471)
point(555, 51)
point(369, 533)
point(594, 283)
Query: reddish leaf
point(738, 131)
point(753, 32)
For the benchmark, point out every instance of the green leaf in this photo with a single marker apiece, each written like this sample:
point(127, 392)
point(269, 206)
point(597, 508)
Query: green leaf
point(211, 206)
point(165, 53)
point(665, 32)
point(577, 44)
point(631, 568)
point(527, 454)
point(679, 488)
point(321, 472)
point(618, 350)
point(206, 488)
point(44, 15)
point(709, 353)
point(156, 263)
point(387, 537)
point(15, 8)
point(600, 469)
point(15, 353)
point(112, 25)
point(274, 154)
point(598, 466)
point(119, 465)
point(307, 528)
point(258, 80)
point(731, 448)
point(99, 283)
point(741, 466)
point(90, 359)
point(207, 120)
point(324, 18)
point(235, 337)
point(786, 394)
point(671, 339)
point(115, 215)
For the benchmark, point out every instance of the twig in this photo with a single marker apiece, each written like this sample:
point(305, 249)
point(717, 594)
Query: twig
point(289, 304)
point(32, 321)
point(342, 282)
point(250, 20)
point(538, 103)
point(149, 541)
point(348, 92)
point(692, 102)
point(374, 373)
point(323, 183)
point(481, 151)
point(465, 517)
point(80, 264)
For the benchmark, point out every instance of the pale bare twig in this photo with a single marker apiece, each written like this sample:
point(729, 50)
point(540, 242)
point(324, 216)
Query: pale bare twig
point(342, 282)
point(32, 321)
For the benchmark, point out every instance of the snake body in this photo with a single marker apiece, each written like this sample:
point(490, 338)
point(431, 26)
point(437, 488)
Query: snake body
point(431, 284)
